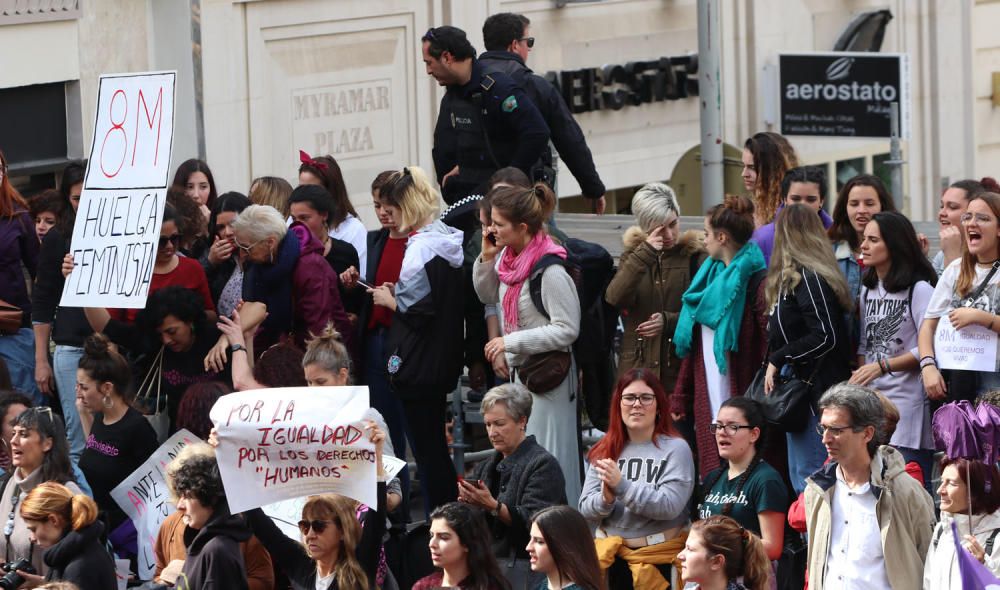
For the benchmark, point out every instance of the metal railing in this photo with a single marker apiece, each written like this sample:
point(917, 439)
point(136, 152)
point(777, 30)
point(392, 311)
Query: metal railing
point(16, 12)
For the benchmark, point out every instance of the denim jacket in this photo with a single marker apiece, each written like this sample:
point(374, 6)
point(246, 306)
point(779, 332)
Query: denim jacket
point(848, 264)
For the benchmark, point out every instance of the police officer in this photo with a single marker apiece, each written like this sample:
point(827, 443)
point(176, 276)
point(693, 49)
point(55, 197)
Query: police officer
point(486, 122)
point(508, 43)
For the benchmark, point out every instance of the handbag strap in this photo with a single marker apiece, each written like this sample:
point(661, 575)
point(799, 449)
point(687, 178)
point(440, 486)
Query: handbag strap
point(982, 286)
point(155, 372)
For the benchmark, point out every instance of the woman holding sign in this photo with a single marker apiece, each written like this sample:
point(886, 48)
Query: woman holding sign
point(961, 323)
point(336, 552)
point(895, 291)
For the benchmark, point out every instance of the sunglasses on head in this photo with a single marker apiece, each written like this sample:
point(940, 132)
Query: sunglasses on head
point(174, 239)
point(317, 525)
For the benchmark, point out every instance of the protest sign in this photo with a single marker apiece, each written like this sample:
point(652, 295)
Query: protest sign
point(117, 232)
point(278, 444)
point(973, 348)
point(146, 500)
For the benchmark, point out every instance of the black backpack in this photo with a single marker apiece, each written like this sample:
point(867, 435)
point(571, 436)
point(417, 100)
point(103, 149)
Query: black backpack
point(592, 268)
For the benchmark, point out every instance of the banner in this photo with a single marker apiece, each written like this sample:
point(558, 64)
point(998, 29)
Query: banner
point(279, 444)
point(146, 500)
point(973, 348)
point(117, 231)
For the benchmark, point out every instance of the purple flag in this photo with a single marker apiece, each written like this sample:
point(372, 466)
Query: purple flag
point(975, 576)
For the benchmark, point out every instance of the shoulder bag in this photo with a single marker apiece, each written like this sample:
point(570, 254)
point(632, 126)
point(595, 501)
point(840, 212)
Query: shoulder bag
point(787, 406)
point(158, 419)
point(11, 317)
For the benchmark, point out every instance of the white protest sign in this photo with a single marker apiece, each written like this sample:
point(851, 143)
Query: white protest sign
point(118, 220)
point(146, 500)
point(278, 444)
point(973, 348)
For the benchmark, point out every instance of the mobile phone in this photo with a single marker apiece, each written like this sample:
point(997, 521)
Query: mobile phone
point(492, 237)
point(364, 284)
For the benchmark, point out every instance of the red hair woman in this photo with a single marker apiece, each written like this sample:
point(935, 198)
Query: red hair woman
point(640, 479)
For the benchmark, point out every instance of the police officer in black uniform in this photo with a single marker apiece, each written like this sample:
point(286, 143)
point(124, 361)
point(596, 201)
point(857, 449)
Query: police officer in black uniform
point(508, 43)
point(486, 122)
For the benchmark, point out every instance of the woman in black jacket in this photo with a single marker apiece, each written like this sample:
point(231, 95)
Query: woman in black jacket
point(66, 526)
point(808, 297)
point(425, 339)
point(221, 260)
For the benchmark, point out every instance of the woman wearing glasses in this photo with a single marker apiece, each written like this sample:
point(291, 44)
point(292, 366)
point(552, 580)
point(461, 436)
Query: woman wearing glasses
point(640, 508)
point(745, 487)
point(336, 552)
point(39, 453)
point(967, 294)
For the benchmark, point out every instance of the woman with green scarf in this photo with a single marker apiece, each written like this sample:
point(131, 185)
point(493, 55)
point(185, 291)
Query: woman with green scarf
point(723, 322)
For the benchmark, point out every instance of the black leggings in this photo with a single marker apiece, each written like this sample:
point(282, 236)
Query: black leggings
point(426, 417)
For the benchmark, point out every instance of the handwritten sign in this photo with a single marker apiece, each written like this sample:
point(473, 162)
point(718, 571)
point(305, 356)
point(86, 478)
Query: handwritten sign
point(278, 444)
point(146, 500)
point(973, 348)
point(121, 208)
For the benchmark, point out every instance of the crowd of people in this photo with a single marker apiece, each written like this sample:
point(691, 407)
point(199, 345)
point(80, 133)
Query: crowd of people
point(699, 475)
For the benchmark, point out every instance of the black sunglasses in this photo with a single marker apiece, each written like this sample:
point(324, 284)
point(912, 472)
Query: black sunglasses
point(317, 525)
point(529, 40)
point(174, 239)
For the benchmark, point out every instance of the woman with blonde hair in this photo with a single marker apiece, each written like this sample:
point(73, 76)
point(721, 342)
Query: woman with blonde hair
point(424, 343)
point(272, 191)
point(65, 525)
point(721, 555)
point(808, 337)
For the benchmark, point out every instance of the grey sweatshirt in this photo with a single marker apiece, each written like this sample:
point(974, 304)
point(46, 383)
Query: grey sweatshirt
point(657, 482)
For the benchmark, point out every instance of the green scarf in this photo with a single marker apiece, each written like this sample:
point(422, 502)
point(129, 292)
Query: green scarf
point(716, 298)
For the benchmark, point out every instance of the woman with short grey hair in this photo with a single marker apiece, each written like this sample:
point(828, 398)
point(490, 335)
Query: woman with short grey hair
point(517, 480)
point(653, 272)
point(282, 265)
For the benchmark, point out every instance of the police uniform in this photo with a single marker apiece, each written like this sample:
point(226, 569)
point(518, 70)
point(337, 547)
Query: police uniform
point(484, 125)
point(567, 137)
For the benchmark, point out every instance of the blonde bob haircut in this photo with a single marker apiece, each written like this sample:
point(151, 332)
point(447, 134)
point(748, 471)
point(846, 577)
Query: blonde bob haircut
point(340, 511)
point(652, 203)
point(257, 223)
point(412, 193)
point(271, 190)
point(801, 243)
point(75, 511)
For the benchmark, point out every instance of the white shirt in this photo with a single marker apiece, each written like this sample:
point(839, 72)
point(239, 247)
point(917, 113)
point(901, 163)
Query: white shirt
point(855, 560)
point(352, 231)
point(324, 582)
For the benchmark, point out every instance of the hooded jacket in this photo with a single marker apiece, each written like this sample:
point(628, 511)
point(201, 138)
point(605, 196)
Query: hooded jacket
point(79, 557)
point(903, 508)
point(214, 557)
point(650, 281)
point(941, 566)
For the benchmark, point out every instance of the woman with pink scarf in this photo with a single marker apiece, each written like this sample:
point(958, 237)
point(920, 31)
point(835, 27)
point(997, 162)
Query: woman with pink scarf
point(515, 249)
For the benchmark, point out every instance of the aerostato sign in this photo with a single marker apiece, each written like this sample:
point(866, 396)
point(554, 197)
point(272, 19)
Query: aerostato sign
point(843, 94)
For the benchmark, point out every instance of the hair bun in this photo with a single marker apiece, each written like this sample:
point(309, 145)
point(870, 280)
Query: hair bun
point(990, 184)
point(738, 204)
point(97, 346)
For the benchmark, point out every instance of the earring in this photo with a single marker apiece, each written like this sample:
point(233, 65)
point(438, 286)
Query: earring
point(108, 402)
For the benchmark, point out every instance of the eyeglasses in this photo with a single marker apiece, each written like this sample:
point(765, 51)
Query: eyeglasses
point(317, 525)
point(646, 399)
point(730, 429)
point(529, 40)
point(835, 431)
point(174, 239)
point(245, 248)
point(980, 217)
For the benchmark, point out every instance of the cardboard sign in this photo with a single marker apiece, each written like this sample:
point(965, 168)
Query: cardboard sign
point(117, 231)
point(146, 500)
point(973, 348)
point(285, 443)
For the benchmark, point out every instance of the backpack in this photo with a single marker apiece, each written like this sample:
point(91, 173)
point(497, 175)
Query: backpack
point(591, 268)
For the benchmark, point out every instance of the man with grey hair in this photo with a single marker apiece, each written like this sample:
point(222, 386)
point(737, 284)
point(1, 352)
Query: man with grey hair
point(869, 522)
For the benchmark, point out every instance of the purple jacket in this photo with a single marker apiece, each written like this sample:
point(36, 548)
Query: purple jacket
point(763, 236)
point(18, 245)
point(316, 291)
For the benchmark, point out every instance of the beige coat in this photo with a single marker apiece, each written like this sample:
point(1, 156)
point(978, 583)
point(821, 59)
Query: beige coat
point(905, 514)
point(650, 281)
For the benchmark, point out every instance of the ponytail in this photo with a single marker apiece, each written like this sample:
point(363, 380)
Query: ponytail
point(327, 350)
point(532, 206)
point(83, 512)
point(742, 550)
point(756, 565)
point(76, 510)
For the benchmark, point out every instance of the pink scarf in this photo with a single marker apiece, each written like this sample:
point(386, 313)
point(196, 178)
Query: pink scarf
point(514, 270)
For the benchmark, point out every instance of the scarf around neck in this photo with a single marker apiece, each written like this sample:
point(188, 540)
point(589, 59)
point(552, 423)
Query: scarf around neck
point(514, 269)
point(716, 298)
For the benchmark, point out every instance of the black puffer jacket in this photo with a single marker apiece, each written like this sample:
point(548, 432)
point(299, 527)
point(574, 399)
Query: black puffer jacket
point(79, 557)
point(214, 558)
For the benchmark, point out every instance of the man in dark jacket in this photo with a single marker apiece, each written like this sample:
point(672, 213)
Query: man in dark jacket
point(508, 44)
point(485, 122)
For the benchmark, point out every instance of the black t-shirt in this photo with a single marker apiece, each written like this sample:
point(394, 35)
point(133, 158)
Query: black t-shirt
point(112, 453)
point(763, 491)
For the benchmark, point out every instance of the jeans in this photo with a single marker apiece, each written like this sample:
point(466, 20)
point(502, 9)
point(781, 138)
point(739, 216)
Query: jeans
point(18, 353)
point(64, 365)
point(925, 459)
point(806, 454)
point(385, 401)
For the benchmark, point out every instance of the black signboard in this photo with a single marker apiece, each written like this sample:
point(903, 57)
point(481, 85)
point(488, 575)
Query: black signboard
point(843, 94)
